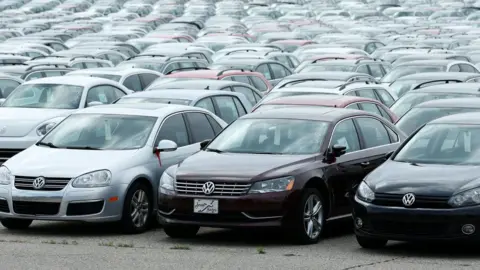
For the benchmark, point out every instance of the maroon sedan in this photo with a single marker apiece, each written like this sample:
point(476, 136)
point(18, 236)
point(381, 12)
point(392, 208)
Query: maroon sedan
point(338, 101)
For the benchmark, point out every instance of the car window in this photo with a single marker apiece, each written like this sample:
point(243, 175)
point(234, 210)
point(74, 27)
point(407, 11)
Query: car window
point(243, 79)
point(105, 94)
point(367, 93)
point(371, 47)
point(393, 135)
point(133, 83)
point(345, 134)
point(115, 58)
point(284, 60)
point(454, 68)
point(174, 129)
point(258, 83)
point(91, 64)
point(78, 65)
point(52, 73)
point(147, 78)
point(171, 67)
point(467, 68)
point(370, 107)
point(206, 104)
point(102, 64)
point(200, 127)
point(186, 64)
point(247, 92)
point(34, 75)
point(279, 71)
point(387, 99)
point(363, 69)
point(373, 131)
point(376, 70)
point(215, 125)
point(294, 61)
point(201, 64)
point(353, 106)
point(263, 68)
point(241, 110)
point(384, 113)
point(228, 110)
point(6, 87)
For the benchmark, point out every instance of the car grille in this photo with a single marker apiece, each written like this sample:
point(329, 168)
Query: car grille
point(51, 184)
point(6, 154)
point(4, 206)
point(84, 208)
point(410, 228)
point(420, 201)
point(221, 188)
point(36, 208)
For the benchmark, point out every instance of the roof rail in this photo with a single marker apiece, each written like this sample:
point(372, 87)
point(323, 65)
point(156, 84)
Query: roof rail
point(188, 68)
point(46, 56)
point(83, 56)
point(47, 65)
point(328, 58)
point(183, 57)
point(357, 80)
point(12, 64)
point(425, 84)
point(241, 51)
point(232, 69)
point(146, 55)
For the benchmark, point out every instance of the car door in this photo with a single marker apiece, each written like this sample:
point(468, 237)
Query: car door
point(348, 170)
point(248, 93)
point(375, 141)
point(174, 128)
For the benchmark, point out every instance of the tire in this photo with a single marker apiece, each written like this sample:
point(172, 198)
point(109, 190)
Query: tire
point(371, 243)
point(181, 231)
point(137, 215)
point(308, 226)
point(16, 224)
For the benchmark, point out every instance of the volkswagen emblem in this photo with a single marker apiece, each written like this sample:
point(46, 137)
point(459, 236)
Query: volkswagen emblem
point(208, 188)
point(3, 130)
point(38, 183)
point(408, 199)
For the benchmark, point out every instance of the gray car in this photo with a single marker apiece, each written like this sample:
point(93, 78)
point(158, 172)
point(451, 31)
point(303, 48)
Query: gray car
point(102, 164)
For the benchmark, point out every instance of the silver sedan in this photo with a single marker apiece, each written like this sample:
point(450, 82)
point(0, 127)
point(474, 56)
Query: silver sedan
point(102, 164)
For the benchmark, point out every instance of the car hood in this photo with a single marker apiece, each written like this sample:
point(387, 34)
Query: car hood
point(239, 167)
point(52, 162)
point(18, 122)
point(423, 179)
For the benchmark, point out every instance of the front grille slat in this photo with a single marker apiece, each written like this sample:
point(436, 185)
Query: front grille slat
point(221, 188)
point(432, 202)
point(51, 184)
point(6, 154)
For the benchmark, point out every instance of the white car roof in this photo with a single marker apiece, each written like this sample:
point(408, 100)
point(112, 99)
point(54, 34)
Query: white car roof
point(77, 80)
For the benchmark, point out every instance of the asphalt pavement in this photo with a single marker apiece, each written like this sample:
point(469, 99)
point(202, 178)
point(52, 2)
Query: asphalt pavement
point(56, 245)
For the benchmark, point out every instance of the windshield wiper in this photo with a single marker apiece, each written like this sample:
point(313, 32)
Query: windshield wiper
point(213, 150)
point(83, 148)
point(49, 144)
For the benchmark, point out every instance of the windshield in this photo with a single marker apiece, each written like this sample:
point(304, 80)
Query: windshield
point(403, 86)
point(101, 131)
point(398, 72)
point(129, 100)
point(319, 68)
point(417, 117)
point(448, 144)
point(408, 101)
point(51, 96)
point(272, 136)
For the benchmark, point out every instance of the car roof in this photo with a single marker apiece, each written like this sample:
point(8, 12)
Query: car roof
point(337, 62)
point(428, 62)
point(327, 114)
point(326, 100)
point(451, 103)
point(180, 94)
point(331, 75)
point(440, 75)
point(203, 83)
point(71, 80)
point(471, 118)
point(111, 70)
point(466, 88)
point(140, 109)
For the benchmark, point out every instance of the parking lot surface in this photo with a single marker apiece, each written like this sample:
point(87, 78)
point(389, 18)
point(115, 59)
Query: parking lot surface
point(52, 245)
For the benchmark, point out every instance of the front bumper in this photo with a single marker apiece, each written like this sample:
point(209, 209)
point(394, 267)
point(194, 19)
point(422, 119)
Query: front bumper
point(251, 210)
point(68, 204)
point(415, 224)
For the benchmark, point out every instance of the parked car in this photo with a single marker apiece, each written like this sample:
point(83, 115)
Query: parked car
point(102, 164)
point(276, 167)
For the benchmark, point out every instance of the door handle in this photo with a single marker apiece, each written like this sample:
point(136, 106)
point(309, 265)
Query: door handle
point(366, 163)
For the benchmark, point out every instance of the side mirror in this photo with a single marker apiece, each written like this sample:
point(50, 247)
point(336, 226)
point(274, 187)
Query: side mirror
point(2, 100)
point(203, 144)
point(165, 146)
point(94, 103)
point(389, 154)
point(333, 152)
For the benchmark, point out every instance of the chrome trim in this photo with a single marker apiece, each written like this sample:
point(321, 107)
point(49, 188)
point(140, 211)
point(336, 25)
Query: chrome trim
point(166, 213)
point(87, 201)
point(257, 218)
point(186, 187)
point(339, 217)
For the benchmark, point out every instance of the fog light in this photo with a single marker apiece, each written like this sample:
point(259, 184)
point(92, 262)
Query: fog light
point(468, 229)
point(358, 223)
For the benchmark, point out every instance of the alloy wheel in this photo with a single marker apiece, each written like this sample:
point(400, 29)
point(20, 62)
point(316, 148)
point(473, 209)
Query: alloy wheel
point(313, 216)
point(139, 208)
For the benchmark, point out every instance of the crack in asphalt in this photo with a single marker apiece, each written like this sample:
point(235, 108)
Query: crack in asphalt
point(374, 263)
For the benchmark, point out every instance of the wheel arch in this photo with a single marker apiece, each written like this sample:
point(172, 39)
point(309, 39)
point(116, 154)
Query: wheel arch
point(319, 184)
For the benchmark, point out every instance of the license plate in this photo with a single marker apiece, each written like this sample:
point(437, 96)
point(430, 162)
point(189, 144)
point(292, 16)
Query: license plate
point(202, 206)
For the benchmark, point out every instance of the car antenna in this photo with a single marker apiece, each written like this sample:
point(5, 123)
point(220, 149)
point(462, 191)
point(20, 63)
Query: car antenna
point(207, 88)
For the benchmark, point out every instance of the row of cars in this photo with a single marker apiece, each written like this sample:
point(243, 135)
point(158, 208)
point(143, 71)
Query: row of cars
point(232, 114)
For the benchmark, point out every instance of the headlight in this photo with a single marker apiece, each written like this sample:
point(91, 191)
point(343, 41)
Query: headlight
point(167, 181)
point(466, 198)
point(100, 178)
point(45, 128)
point(365, 193)
point(274, 185)
point(6, 177)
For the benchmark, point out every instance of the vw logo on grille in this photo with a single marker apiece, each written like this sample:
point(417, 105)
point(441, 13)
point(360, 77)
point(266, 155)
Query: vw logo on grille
point(38, 183)
point(208, 188)
point(408, 199)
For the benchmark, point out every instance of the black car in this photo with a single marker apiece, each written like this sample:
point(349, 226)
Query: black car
point(287, 167)
point(429, 189)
